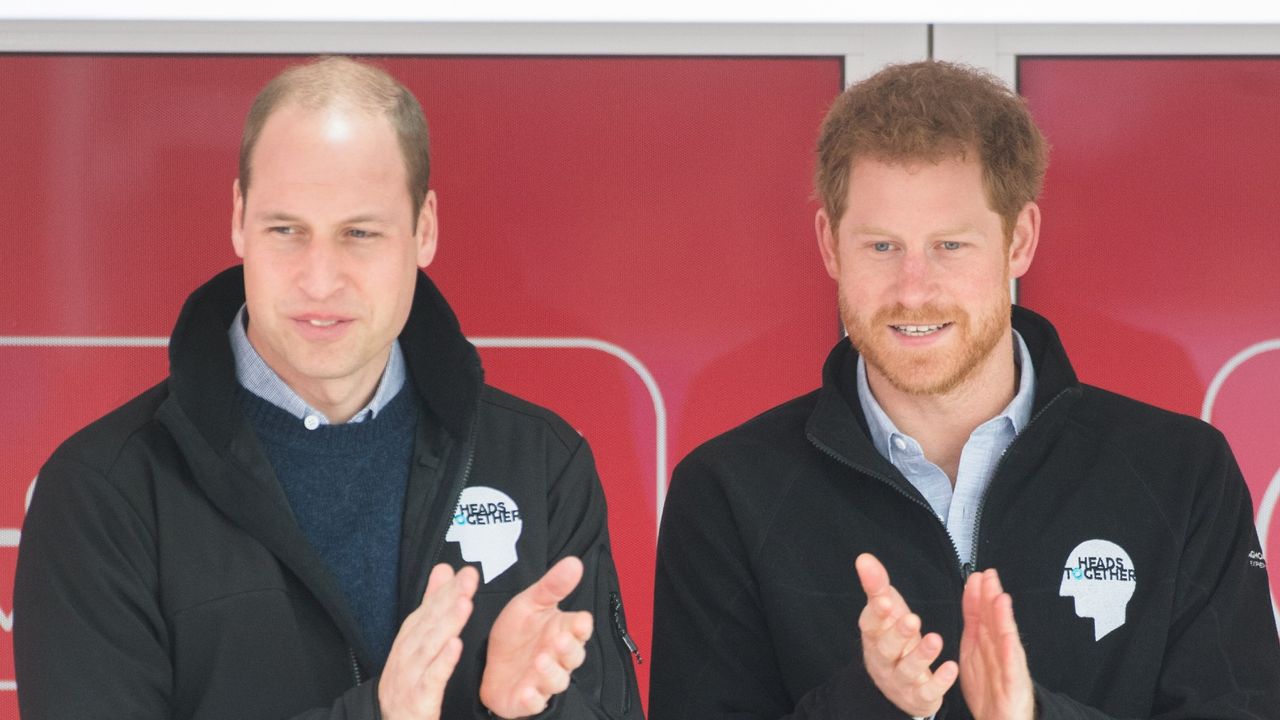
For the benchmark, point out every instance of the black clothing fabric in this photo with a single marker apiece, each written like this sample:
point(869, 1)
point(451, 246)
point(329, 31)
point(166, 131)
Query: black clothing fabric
point(757, 600)
point(161, 575)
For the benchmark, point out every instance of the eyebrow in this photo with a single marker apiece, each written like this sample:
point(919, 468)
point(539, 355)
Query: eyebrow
point(964, 229)
point(872, 230)
point(288, 218)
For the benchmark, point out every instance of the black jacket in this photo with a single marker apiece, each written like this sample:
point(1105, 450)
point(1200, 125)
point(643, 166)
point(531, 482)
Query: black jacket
point(161, 573)
point(756, 599)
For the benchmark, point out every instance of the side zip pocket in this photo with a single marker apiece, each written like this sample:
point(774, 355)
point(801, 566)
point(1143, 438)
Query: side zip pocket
point(620, 630)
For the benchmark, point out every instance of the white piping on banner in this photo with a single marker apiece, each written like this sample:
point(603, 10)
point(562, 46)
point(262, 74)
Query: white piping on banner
point(83, 341)
point(655, 393)
point(582, 343)
point(1266, 506)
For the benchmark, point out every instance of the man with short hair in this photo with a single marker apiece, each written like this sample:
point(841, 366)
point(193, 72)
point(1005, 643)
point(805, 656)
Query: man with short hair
point(255, 537)
point(1056, 551)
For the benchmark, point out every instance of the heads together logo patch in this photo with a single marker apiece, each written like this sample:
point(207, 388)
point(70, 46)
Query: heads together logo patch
point(486, 524)
point(1100, 575)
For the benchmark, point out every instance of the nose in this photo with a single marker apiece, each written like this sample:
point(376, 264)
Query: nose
point(917, 284)
point(322, 269)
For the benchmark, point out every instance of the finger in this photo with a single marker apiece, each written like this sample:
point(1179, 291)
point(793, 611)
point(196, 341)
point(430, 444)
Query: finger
point(872, 574)
point(580, 625)
point(444, 588)
point(468, 579)
point(532, 701)
point(426, 644)
point(436, 676)
point(900, 639)
point(569, 650)
point(941, 681)
point(1013, 656)
point(882, 612)
point(990, 616)
point(971, 600)
point(556, 584)
point(913, 667)
point(552, 678)
point(440, 574)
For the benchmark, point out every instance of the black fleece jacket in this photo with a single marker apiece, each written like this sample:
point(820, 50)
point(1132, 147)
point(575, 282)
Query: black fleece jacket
point(756, 598)
point(161, 574)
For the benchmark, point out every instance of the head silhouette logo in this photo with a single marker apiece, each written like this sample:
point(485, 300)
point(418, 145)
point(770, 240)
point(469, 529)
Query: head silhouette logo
point(1100, 575)
point(486, 524)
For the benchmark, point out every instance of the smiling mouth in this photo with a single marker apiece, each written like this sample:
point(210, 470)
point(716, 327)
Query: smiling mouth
point(322, 323)
point(919, 330)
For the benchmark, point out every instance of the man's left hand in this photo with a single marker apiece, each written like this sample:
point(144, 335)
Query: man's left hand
point(534, 645)
point(994, 676)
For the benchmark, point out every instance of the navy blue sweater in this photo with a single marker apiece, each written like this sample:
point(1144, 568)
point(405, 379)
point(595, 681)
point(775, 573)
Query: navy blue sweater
point(346, 486)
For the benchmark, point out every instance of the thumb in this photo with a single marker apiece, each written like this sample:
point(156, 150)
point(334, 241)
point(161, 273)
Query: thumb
point(556, 584)
point(871, 574)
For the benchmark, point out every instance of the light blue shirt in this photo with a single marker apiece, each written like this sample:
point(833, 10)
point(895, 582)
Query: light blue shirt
point(258, 378)
point(956, 508)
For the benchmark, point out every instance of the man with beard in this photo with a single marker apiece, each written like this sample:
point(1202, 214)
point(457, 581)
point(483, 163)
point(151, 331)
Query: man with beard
point(952, 446)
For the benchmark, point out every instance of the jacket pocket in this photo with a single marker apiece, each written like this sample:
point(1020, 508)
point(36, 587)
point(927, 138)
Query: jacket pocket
point(626, 647)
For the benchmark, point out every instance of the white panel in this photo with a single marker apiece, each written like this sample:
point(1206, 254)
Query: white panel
point(997, 47)
point(866, 46)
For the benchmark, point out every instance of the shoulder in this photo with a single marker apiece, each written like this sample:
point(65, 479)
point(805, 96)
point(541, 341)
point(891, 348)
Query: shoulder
point(110, 467)
point(103, 444)
point(509, 416)
point(1153, 442)
point(1126, 419)
point(778, 432)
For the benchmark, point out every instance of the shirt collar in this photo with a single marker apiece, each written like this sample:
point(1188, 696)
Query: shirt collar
point(883, 431)
point(258, 378)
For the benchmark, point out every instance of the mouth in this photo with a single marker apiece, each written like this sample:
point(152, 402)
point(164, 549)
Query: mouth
point(318, 323)
point(917, 331)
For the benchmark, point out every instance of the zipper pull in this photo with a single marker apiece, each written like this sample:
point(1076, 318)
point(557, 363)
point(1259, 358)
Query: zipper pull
point(620, 626)
point(966, 570)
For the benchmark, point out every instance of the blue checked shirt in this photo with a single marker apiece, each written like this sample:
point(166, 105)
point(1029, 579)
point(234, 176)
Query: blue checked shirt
point(982, 452)
point(258, 378)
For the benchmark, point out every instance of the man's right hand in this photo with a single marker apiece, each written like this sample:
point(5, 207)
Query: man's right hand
point(427, 648)
point(896, 655)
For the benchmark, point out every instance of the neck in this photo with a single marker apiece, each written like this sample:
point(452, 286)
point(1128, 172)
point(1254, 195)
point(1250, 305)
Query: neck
point(339, 399)
point(943, 422)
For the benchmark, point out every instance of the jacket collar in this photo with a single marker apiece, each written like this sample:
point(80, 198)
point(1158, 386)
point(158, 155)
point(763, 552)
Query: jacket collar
point(204, 416)
point(839, 426)
point(443, 366)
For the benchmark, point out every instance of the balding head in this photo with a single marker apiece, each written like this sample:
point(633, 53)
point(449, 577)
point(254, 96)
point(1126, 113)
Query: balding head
point(344, 83)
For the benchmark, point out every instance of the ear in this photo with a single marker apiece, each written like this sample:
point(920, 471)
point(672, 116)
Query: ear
point(428, 229)
point(1026, 235)
point(827, 244)
point(237, 219)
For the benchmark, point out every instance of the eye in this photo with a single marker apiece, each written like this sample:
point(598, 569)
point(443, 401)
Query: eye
point(361, 234)
point(950, 245)
point(882, 246)
point(282, 230)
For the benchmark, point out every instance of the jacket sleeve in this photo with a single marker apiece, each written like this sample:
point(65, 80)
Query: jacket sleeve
point(90, 637)
point(604, 686)
point(713, 655)
point(1222, 657)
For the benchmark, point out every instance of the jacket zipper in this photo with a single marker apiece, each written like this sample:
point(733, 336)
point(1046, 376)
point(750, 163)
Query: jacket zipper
point(982, 501)
point(620, 627)
point(355, 666)
point(964, 569)
point(460, 483)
